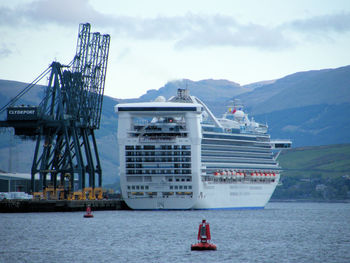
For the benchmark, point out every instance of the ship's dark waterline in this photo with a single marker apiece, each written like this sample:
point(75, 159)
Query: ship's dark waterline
point(283, 232)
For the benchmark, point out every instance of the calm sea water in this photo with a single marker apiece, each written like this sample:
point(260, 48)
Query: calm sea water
point(282, 232)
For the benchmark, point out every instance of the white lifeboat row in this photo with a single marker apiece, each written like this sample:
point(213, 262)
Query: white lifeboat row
point(242, 174)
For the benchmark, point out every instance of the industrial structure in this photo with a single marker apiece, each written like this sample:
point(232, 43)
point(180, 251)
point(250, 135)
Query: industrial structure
point(66, 157)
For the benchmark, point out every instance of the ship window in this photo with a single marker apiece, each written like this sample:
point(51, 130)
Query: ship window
point(149, 147)
point(182, 179)
point(171, 187)
point(190, 187)
point(146, 187)
point(133, 187)
point(177, 180)
point(170, 179)
point(185, 186)
point(180, 187)
point(137, 187)
point(157, 109)
point(129, 147)
point(176, 187)
point(147, 179)
point(128, 187)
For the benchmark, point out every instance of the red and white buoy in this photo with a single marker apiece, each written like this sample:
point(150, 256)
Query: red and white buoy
point(88, 213)
point(203, 237)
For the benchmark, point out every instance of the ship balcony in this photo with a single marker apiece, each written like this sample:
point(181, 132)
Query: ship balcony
point(161, 138)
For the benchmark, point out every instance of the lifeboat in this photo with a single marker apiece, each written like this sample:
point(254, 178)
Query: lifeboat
point(88, 213)
point(203, 238)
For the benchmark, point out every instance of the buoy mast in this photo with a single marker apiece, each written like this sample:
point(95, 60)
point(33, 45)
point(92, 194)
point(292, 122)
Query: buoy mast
point(203, 236)
point(204, 232)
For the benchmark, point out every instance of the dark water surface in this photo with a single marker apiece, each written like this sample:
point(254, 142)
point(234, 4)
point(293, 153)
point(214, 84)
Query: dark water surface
point(282, 232)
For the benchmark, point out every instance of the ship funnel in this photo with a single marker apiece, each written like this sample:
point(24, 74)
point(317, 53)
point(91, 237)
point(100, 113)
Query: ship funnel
point(183, 93)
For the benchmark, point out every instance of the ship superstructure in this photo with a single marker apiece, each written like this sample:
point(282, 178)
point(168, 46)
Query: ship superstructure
point(176, 154)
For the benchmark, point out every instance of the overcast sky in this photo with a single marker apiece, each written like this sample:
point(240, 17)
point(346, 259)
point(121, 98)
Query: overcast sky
point(156, 41)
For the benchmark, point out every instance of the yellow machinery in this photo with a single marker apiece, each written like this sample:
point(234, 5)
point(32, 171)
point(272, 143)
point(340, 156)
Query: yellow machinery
point(89, 193)
point(98, 193)
point(50, 193)
point(60, 193)
point(78, 195)
point(38, 195)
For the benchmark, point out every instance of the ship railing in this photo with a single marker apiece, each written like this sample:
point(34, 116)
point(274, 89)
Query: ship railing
point(157, 139)
point(232, 179)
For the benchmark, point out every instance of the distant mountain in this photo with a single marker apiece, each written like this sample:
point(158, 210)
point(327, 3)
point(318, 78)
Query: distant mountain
point(311, 108)
point(203, 89)
point(310, 125)
point(328, 86)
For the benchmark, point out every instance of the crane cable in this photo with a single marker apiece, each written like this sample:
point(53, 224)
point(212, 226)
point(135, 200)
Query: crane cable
point(26, 89)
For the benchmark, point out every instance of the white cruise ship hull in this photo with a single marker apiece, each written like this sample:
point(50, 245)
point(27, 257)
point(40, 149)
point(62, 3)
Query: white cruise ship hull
point(235, 196)
point(212, 196)
point(170, 158)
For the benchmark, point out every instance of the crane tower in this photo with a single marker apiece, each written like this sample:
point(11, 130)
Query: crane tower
point(63, 124)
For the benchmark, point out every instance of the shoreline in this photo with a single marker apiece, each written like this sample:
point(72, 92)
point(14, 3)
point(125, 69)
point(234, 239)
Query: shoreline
point(29, 205)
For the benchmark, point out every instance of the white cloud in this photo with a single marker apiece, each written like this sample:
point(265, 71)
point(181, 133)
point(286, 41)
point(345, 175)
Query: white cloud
point(339, 23)
point(4, 51)
point(186, 31)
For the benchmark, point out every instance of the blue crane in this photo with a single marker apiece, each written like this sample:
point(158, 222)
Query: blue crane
point(64, 123)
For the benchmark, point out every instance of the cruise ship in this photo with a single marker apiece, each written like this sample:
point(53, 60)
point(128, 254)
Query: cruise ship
point(176, 154)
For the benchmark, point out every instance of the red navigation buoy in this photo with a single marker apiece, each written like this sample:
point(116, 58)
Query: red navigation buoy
point(203, 237)
point(88, 213)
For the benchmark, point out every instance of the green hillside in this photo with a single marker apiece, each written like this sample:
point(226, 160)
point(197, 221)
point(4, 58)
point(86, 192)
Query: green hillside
point(326, 161)
point(319, 173)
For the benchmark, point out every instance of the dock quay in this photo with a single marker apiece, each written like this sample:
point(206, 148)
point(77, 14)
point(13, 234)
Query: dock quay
point(29, 205)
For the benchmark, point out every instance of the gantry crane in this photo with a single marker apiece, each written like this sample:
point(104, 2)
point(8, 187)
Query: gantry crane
point(63, 124)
